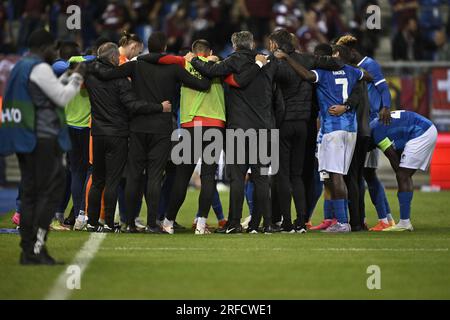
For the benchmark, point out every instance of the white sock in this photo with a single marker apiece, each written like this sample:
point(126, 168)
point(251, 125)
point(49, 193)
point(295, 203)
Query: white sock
point(201, 223)
point(385, 220)
point(168, 223)
point(404, 222)
point(389, 217)
point(59, 216)
point(196, 220)
point(81, 217)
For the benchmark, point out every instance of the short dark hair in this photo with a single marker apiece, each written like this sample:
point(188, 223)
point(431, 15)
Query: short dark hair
point(127, 38)
point(201, 45)
point(157, 42)
point(40, 38)
point(68, 49)
point(283, 39)
point(323, 49)
point(344, 53)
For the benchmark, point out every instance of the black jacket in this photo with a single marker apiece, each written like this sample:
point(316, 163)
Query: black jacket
point(156, 83)
point(359, 100)
point(256, 103)
point(113, 102)
point(297, 93)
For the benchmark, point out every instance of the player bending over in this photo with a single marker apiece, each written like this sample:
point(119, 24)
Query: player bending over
point(408, 142)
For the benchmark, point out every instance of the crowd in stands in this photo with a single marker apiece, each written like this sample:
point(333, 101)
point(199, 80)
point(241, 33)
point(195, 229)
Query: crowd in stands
point(422, 30)
point(419, 29)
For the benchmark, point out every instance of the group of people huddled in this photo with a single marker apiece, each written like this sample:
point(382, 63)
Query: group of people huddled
point(122, 117)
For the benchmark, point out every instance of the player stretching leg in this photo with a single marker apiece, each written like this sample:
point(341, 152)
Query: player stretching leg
point(408, 142)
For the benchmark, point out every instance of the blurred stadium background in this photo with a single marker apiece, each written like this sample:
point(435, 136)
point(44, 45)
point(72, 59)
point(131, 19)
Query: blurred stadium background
point(413, 43)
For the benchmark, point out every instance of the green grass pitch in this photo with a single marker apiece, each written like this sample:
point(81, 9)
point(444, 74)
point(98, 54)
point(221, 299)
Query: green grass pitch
point(280, 266)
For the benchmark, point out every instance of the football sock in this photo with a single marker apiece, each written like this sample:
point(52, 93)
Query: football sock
point(386, 204)
point(378, 196)
point(328, 210)
point(201, 223)
point(249, 187)
point(217, 206)
point(402, 222)
point(59, 216)
point(340, 210)
point(404, 199)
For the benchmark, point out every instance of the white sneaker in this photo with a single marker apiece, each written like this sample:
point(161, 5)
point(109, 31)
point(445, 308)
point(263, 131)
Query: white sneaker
point(201, 228)
point(168, 226)
point(246, 222)
point(338, 228)
point(401, 226)
point(80, 223)
point(139, 225)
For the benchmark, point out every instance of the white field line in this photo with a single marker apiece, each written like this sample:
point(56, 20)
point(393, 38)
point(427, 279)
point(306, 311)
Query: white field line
point(82, 260)
point(274, 249)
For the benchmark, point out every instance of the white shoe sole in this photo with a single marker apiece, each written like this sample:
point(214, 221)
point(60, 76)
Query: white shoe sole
point(169, 230)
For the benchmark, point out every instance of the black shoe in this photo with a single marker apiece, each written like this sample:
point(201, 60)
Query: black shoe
point(106, 229)
point(252, 231)
point(49, 260)
point(70, 220)
point(275, 228)
point(357, 228)
point(154, 230)
point(177, 226)
point(91, 228)
point(269, 230)
point(287, 228)
point(28, 259)
point(223, 230)
point(233, 229)
point(131, 229)
point(43, 258)
point(300, 228)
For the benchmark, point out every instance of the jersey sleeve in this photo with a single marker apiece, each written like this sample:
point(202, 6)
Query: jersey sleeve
point(380, 137)
point(380, 83)
point(170, 59)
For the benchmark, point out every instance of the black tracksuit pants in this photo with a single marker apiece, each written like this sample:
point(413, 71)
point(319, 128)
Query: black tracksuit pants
point(42, 187)
point(110, 156)
point(293, 136)
point(238, 172)
point(79, 164)
point(354, 179)
point(183, 176)
point(149, 153)
point(310, 168)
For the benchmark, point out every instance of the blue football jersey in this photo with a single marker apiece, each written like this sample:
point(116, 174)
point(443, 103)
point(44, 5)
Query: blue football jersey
point(405, 126)
point(334, 88)
point(376, 88)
